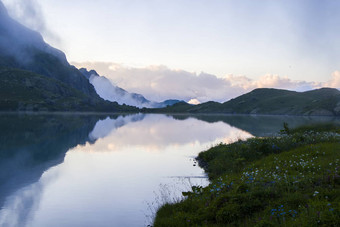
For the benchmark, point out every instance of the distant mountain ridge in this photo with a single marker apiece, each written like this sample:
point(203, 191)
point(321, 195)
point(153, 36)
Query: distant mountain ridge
point(319, 102)
point(108, 91)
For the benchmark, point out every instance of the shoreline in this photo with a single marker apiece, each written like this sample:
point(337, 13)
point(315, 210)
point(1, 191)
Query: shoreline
point(162, 113)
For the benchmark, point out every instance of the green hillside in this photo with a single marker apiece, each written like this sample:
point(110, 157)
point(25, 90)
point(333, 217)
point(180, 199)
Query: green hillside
point(26, 91)
point(324, 101)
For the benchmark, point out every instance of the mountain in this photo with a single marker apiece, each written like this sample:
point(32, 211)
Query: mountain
point(319, 102)
point(39, 77)
point(113, 93)
point(25, 49)
point(22, 90)
point(324, 101)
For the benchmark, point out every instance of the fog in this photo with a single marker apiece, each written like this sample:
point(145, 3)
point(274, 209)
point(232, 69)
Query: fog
point(107, 90)
point(17, 41)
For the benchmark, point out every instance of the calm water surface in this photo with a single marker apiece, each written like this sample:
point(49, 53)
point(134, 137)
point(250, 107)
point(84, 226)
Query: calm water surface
point(88, 170)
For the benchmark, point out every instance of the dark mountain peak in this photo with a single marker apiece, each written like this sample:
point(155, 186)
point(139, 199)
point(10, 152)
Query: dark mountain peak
point(270, 91)
point(170, 102)
point(93, 72)
point(325, 90)
point(87, 73)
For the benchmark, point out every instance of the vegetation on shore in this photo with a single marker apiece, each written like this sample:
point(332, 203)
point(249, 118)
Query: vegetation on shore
point(289, 180)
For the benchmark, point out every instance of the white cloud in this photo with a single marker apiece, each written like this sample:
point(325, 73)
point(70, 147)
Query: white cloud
point(334, 81)
point(30, 14)
point(160, 83)
point(194, 101)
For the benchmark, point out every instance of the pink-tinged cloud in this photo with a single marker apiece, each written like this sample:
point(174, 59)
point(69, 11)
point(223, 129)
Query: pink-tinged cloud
point(273, 81)
point(334, 81)
point(160, 83)
point(194, 101)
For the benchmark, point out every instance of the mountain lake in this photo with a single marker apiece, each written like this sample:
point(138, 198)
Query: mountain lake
point(95, 170)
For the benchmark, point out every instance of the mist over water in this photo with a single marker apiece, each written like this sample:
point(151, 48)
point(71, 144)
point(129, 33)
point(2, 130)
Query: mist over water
point(78, 170)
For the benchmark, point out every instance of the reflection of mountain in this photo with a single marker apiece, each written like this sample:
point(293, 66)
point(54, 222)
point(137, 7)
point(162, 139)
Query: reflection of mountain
point(259, 125)
point(31, 144)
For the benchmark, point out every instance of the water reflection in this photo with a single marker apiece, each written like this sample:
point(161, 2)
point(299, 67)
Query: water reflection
point(261, 125)
point(104, 127)
point(108, 171)
point(30, 144)
point(160, 132)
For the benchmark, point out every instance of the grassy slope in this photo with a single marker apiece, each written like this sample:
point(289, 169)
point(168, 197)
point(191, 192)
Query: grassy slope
point(274, 101)
point(325, 101)
point(24, 90)
point(288, 181)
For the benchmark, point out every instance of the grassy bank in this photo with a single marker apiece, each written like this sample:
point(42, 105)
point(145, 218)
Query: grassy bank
point(289, 180)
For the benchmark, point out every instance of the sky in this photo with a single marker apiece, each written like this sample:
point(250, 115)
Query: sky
point(294, 42)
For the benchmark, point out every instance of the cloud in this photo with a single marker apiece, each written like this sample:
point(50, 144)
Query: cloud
point(29, 13)
point(334, 81)
point(194, 101)
point(273, 81)
point(159, 82)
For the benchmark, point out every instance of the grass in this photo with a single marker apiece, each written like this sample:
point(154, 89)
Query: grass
point(291, 180)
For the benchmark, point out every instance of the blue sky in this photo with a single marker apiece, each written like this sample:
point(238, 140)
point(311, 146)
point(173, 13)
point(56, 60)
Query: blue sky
point(297, 39)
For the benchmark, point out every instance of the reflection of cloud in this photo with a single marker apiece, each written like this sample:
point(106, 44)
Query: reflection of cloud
point(155, 132)
point(160, 83)
point(105, 127)
point(20, 207)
